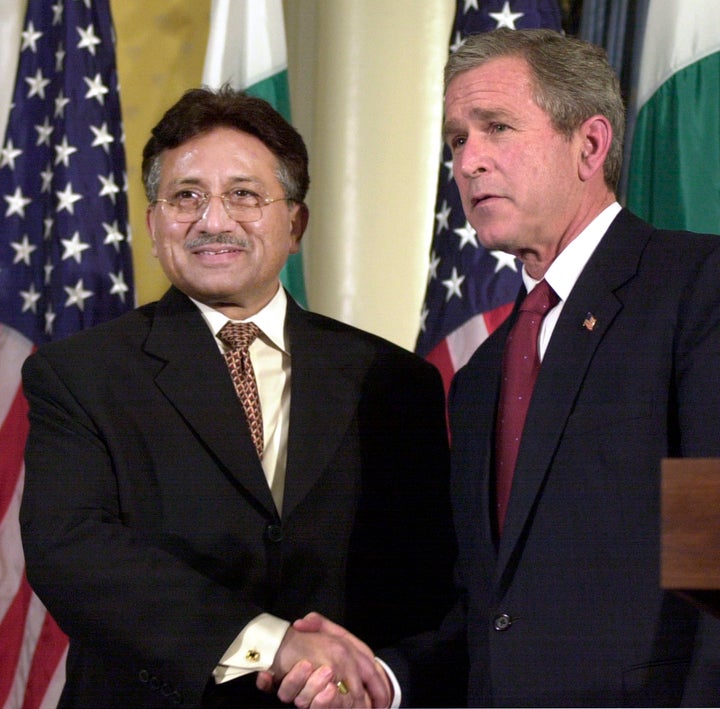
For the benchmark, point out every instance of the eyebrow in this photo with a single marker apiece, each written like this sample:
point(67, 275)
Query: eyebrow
point(197, 181)
point(482, 115)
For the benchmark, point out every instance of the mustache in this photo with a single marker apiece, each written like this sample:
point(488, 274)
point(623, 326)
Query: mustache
point(206, 239)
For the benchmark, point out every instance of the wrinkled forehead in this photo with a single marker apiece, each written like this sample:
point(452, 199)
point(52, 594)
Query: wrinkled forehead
point(221, 156)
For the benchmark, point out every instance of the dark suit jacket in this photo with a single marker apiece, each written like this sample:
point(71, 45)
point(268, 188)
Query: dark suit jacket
point(566, 609)
point(150, 532)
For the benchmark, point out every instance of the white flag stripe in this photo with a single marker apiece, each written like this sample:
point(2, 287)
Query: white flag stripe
point(466, 339)
point(57, 681)
point(31, 632)
point(257, 26)
point(676, 35)
point(12, 561)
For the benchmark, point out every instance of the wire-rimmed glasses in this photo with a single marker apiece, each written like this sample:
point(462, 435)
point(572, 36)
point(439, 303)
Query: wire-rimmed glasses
point(242, 205)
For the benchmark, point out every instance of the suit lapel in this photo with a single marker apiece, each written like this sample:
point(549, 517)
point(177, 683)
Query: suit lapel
point(565, 366)
point(196, 382)
point(328, 367)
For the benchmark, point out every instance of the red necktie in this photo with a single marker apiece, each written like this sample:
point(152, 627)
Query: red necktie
point(239, 336)
point(519, 371)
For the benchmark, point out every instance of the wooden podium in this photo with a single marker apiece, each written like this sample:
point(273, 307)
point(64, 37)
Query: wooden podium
point(690, 531)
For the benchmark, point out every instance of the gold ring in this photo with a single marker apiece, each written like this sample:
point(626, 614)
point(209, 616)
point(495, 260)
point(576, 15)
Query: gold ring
point(342, 687)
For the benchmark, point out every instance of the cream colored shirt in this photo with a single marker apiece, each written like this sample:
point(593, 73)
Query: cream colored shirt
point(270, 356)
point(255, 647)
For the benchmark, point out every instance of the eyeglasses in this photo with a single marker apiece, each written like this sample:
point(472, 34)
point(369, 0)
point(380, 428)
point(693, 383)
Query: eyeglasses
point(242, 205)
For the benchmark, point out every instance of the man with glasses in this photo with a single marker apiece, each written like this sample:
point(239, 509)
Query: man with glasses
point(212, 466)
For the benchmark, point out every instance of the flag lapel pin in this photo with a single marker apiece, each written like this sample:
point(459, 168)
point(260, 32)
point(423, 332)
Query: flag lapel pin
point(590, 322)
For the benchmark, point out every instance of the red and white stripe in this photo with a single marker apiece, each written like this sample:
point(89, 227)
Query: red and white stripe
point(453, 352)
point(32, 647)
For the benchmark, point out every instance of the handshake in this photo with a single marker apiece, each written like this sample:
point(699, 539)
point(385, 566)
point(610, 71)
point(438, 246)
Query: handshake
point(320, 664)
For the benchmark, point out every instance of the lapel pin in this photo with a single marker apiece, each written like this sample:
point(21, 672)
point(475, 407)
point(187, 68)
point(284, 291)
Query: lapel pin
point(589, 322)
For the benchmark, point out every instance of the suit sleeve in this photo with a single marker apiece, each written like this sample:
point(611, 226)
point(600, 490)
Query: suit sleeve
point(106, 582)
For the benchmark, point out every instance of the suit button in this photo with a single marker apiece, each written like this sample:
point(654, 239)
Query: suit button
point(274, 532)
point(144, 676)
point(502, 622)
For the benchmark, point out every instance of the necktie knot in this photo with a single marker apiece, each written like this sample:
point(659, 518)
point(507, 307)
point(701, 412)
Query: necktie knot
point(239, 335)
point(540, 299)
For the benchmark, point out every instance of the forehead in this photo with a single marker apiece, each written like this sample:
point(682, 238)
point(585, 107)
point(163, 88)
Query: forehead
point(221, 153)
point(499, 83)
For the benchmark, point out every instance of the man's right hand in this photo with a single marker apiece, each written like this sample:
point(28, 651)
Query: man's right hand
point(315, 656)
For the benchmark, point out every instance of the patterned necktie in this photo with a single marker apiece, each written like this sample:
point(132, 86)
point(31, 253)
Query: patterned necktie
point(519, 371)
point(239, 337)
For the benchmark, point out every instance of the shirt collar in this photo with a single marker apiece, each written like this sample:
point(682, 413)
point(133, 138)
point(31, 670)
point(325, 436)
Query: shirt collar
point(569, 263)
point(270, 319)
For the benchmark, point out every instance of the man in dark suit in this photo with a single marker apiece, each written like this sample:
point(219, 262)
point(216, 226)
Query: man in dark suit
point(171, 545)
point(561, 602)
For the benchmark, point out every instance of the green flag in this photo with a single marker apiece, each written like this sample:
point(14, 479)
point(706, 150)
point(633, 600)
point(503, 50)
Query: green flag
point(246, 48)
point(674, 173)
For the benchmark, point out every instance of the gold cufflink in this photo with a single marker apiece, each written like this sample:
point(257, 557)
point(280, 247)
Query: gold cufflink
point(253, 655)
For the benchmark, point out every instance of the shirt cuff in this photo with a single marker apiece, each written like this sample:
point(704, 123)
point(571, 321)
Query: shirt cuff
point(397, 692)
point(253, 650)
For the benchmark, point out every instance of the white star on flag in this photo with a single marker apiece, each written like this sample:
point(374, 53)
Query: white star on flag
point(506, 18)
point(88, 39)
point(113, 235)
point(74, 247)
point(433, 266)
point(77, 295)
point(60, 103)
point(30, 299)
point(504, 260)
point(23, 250)
point(442, 217)
point(453, 284)
point(37, 84)
point(46, 176)
point(102, 137)
point(9, 153)
point(67, 198)
point(44, 132)
point(96, 88)
point(109, 187)
point(16, 202)
point(467, 235)
point(119, 287)
point(63, 151)
point(57, 13)
point(30, 38)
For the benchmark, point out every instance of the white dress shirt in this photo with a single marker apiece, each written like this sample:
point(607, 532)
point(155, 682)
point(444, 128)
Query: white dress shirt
point(567, 267)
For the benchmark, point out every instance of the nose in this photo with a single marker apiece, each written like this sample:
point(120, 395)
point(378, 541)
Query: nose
point(215, 216)
point(473, 159)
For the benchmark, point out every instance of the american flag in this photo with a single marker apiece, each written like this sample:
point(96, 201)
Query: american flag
point(470, 290)
point(65, 264)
